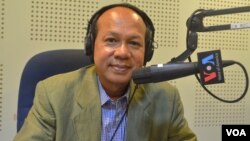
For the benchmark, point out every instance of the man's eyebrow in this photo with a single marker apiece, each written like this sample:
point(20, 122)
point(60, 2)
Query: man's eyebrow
point(136, 37)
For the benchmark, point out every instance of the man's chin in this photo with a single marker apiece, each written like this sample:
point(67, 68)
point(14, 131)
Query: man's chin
point(120, 80)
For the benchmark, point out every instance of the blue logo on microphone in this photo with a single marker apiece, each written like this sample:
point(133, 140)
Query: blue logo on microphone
point(210, 65)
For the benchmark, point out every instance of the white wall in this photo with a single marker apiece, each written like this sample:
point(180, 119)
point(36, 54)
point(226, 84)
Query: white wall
point(31, 26)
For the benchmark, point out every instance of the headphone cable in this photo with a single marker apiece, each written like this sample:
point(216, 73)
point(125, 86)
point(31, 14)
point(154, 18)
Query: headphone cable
point(125, 113)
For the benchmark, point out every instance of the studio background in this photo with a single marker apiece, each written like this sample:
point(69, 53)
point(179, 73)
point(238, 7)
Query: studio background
point(28, 27)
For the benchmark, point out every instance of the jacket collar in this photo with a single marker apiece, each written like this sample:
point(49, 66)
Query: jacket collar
point(88, 121)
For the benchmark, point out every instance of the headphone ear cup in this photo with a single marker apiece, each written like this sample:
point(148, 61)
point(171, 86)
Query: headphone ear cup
point(89, 46)
point(149, 55)
point(149, 52)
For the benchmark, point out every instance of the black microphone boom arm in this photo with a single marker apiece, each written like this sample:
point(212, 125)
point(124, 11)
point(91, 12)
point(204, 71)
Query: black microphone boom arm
point(197, 25)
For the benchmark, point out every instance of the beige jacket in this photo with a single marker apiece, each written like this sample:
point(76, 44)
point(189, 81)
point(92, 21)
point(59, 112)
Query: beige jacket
point(67, 108)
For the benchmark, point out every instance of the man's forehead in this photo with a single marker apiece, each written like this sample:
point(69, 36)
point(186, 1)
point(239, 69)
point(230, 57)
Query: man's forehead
point(119, 10)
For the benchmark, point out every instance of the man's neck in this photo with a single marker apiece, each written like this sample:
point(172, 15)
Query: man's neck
point(114, 91)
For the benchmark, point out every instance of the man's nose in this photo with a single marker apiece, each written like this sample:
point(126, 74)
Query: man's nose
point(122, 51)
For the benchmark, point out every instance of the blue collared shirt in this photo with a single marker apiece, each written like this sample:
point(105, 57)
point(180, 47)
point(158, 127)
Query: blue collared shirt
point(112, 112)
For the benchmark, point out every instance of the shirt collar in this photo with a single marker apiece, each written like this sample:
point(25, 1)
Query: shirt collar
point(104, 96)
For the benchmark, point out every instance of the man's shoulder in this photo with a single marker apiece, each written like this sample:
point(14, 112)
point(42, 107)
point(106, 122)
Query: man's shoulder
point(69, 81)
point(66, 86)
point(71, 75)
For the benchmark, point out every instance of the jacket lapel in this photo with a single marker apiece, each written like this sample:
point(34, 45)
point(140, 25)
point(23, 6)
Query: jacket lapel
point(87, 122)
point(139, 123)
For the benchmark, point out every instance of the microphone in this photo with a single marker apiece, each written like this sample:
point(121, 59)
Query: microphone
point(169, 71)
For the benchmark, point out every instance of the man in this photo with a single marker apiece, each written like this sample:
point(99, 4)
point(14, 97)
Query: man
point(100, 102)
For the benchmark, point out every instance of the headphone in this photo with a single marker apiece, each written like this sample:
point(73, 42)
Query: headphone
point(92, 31)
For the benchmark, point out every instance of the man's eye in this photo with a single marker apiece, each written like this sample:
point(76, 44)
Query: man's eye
point(135, 44)
point(111, 40)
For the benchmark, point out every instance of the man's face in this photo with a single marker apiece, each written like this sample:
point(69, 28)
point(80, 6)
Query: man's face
point(119, 45)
